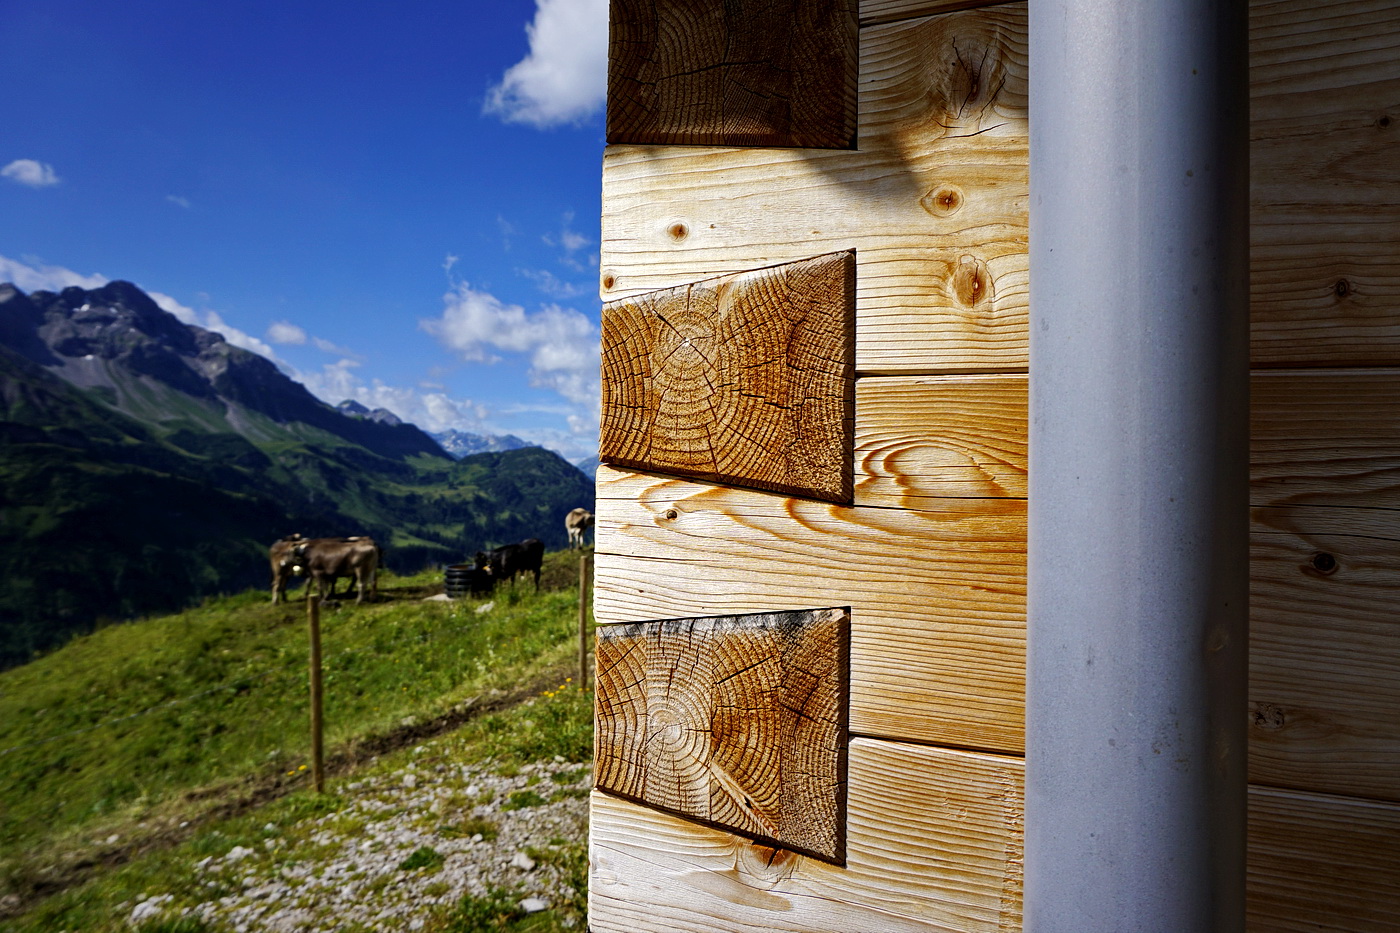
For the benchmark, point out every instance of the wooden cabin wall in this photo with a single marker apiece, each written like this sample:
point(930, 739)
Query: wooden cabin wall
point(1324, 751)
point(929, 552)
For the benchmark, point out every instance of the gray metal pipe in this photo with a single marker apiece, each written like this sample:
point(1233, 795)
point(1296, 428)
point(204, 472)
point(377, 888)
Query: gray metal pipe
point(1138, 540)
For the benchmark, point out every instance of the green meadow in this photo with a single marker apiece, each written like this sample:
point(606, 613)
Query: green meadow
point(125, 748)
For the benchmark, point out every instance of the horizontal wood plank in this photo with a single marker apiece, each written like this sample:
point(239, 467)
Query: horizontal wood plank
point(920, 438)
point(1320, 863)
point(934, 201)
point(937, 596)
point(873, 12)
point(934, 844)
point(1325, 182)
point(1324, 651)
point(1325, 438)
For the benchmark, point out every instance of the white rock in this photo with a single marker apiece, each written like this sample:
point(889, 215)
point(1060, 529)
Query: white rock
point(523, 862)
point(485, 607)
point(149, 908)
point(112, 838)
point(533, 905)
point(438, 598)
point(237, 854)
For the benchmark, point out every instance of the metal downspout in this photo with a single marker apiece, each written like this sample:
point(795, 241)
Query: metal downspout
point(1139, 447)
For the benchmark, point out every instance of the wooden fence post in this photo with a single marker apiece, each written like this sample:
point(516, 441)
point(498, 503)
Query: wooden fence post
point(313, 618)
point(583, 681)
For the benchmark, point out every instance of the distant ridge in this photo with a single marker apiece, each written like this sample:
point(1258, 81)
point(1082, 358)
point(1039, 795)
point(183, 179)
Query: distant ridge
point(463, 443)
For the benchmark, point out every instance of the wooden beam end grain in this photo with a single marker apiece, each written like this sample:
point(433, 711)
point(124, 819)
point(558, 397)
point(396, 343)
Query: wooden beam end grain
point(735, 721)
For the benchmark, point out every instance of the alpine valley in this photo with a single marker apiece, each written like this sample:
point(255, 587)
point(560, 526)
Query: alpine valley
point(146, 463)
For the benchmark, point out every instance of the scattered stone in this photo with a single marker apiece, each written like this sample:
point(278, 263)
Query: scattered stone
point(523, 862)
point(148, 909)
point(533, 905)
point(485, 607)
point(438, 598)
point(237, 854)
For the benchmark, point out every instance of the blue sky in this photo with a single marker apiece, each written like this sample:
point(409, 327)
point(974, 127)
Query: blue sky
point(397, 202)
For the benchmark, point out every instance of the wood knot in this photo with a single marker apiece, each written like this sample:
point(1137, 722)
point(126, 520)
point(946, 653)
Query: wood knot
point(972, 283)
point(678, 231)
point(1384, 121)
point(1324, 563)
point(1267, 716)
point(1342, 288)
point(943, 201)
point(766, 863)
point(672, 515)
point(609, 281)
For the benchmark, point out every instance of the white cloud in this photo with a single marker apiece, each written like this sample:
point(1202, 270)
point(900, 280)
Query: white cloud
point(559, 340)
point(564, 77)
point(33, 275)
point(31, 173)
point(285, 332)
point(178, 201)
point(551, 285)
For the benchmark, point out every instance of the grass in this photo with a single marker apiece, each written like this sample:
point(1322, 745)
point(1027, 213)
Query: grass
point(102, 904)
point(140, 727)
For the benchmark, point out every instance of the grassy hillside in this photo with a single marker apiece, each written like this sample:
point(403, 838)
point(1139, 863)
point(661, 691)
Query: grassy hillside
point(129, 735)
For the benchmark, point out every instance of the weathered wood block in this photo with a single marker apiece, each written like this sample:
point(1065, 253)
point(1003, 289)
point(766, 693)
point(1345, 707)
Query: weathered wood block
point(733, 72)
point(737, 721)
point(745, 379)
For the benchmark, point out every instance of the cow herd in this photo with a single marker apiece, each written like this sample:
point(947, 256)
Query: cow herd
point(325, 560)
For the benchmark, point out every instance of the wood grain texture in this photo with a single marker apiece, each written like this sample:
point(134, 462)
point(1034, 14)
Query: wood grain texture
point(1320, 863)
point(921, 438)
point(727, 73)
point(937, 595)
point(934, 845)
point(1325, 650)
point(1325, 438)
point(745, 379)
point(934, 202)
point(737, 721)
point(1325, 580)
point(873, 12)
point(1325, 182)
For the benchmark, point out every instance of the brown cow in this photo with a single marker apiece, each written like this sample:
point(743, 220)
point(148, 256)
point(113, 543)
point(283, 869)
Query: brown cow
point(326, 559)
point(576, 523)
point(283, 564)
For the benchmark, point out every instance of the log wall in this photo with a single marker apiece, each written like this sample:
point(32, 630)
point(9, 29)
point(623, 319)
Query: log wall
point(928, 550)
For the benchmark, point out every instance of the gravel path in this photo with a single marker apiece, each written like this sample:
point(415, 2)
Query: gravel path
point(356, 868)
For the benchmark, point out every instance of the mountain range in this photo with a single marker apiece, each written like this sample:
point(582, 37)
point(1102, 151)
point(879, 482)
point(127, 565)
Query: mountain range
point(146, 463)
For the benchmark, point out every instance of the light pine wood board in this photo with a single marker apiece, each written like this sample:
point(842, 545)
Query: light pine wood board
point(1322, 863)
point(1325, 438)
point(921, 438)
point(1325, 182)
point(934, 201)
point(934, 844)
point(887, 11)
point(937, 596)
